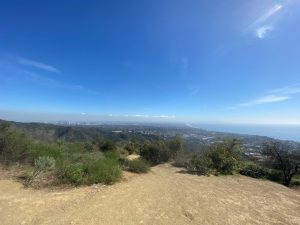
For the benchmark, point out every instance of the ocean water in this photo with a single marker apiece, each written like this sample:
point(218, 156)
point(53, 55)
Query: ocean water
point(283, 132)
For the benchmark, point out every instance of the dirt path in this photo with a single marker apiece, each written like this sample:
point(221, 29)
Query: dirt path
point(162, 196)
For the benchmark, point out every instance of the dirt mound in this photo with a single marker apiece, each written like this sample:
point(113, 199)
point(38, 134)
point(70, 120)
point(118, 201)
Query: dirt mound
point(162, 196)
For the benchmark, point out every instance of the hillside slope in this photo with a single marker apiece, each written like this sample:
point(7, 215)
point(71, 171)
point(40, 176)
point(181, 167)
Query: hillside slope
point(162, 196)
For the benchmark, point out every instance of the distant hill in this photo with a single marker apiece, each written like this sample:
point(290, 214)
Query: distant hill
point(193, 137)
point(77, 133)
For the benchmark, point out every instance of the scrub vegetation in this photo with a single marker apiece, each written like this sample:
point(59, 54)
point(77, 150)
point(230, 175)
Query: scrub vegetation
point(103, 159)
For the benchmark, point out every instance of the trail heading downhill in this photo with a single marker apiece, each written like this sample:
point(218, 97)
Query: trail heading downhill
point(163, 196)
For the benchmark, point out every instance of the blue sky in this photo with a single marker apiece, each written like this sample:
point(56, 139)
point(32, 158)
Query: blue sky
point(188, 61)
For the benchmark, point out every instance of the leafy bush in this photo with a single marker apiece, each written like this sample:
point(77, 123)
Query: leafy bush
point(295, 183)
point(88, 146)
point(106, 171)
point(42, 166)
point(77, 147)
point(180, 162)
point(45, 150)
point(108, 146)
point(175, 146)
point(199, 165)
point(71, 173)
point(225, 156)
point(137, 166)
point(284, 157)
point(254, 170)
point(296, 180)
point(14, 146)
point(275, 175)
point(130, 148)
point(44, 163)
point(112, 155)
point(182, 159)
point(155, 153)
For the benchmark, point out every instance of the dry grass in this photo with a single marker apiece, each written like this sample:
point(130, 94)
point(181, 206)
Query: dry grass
point(162, 196)
point(133, 156)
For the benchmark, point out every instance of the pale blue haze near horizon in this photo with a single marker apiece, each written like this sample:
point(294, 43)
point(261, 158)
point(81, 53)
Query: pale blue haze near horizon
point(282, 132)
point(208, 61)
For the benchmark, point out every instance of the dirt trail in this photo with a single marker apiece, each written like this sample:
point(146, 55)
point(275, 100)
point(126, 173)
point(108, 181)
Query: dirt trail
point(162, 196)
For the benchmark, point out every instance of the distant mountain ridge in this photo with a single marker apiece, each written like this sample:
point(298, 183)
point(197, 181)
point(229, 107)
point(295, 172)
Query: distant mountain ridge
point(140, 132)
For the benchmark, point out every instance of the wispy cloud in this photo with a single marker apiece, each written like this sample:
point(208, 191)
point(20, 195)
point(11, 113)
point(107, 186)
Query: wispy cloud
point(41, 80)
point(272, 96)
point(269, 13)
point(288, 90)
point(150, 116)
point(21, 75)
point(39, 65)
point(265, 23)
point(163, 116)
point(262, 31)
point(17, 68)
point(142, 116)
point(265, 99)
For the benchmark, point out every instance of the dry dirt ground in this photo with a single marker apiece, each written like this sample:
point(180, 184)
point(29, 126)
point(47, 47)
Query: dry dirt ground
point(162, 196)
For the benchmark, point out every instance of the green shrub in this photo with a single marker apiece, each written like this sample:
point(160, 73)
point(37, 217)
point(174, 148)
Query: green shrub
point(155, 153)
point(77, 157)
point(175, 146)
point(220, 158)
point(225, 156)
point(42, 166)
point(77, 147)
point(199, 165)
point(130, 148)
point(137, 166)
point(14, 146)
point(105, 171)
point(182, 159)
point(283, 157)
point(295, 183)
point(45, 150)
point(254, 170)
point(44, 163)
point(296, 180)
point(71, 173)
point(108, 146)
point(88, 147)
point(112, 155)
point(179, 162)
point(123, 162)
point(275, 175)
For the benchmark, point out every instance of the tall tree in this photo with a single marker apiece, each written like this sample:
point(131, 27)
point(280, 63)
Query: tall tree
point(284, 157)
point(175, 145)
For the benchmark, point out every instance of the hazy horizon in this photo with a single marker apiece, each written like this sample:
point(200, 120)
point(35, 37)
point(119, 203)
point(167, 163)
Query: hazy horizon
point(278, 131)
point(26, 116)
